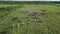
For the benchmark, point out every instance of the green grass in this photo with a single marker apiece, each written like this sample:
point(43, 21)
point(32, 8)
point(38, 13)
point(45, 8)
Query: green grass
point(50, 25)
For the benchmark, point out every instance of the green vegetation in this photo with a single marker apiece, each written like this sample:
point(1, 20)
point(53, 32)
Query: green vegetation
point(29, 19)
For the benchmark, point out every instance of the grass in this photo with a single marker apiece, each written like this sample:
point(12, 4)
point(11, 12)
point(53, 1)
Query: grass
point(50, 24)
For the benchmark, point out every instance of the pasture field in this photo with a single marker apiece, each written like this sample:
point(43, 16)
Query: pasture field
point(29, 19)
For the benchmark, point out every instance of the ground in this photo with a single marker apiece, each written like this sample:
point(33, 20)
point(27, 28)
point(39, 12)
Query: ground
point(17, 19)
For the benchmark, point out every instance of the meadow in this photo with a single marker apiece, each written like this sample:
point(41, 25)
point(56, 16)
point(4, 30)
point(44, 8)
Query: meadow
point(29, 19)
